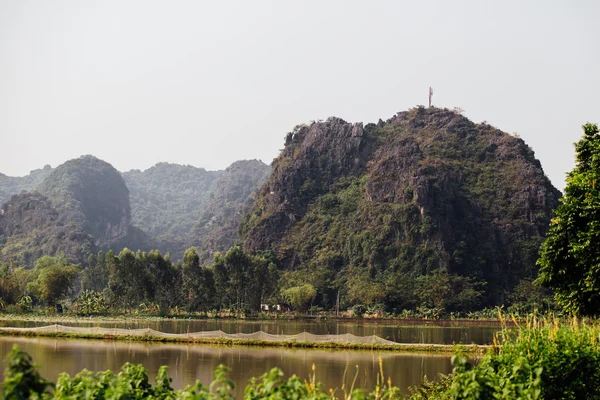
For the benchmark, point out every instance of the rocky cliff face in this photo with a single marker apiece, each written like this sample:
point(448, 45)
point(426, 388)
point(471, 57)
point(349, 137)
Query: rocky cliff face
point(231, 197)
point(426, 190)
point(92, 193)
point(31, 227)
point(313, 158)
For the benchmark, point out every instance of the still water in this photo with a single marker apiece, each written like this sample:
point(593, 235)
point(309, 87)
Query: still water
point(448, 333)
point(188, 363)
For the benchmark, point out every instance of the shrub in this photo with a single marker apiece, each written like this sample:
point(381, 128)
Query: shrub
point(359, 310)
point(551, 361)
point(23, 381)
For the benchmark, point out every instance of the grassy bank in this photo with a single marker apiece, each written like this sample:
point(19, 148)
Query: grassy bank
point(137, 318)
point(400, 347)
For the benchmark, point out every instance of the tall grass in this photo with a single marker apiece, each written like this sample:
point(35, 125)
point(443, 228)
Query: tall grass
point(539, 359)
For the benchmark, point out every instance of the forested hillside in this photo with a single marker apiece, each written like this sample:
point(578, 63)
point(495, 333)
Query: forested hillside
point(10, 185)
point(168, 207)
point(425, 209)
point(30, 227)
point(167, 199)
point(231, 197)
point(80, 206)
point(92, 193)
point(180, 206)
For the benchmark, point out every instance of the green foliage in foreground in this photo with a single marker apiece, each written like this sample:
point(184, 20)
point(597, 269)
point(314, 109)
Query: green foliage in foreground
point(541, 361)
point(24, 382)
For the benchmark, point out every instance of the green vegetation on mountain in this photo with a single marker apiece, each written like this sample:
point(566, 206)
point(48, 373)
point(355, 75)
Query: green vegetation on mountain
point(232, 195)
point(167, 200)
point(11, 185)
point(172, 208)
point(90, 192)
point(570, 256)
point(426, 209)
point(80, 206)
point(181, 206)
point(30, 227)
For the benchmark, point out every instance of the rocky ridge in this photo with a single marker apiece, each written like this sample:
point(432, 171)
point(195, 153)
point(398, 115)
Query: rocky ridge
point(427, 190)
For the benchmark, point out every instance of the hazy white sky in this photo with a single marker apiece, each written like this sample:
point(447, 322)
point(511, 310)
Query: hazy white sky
point(208, 83)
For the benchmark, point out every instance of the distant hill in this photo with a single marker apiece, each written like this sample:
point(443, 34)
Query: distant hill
point(80, 206)
point(167, 200)
point(395, 212)
point(10, 185)
point(31, 227)
point(92, 193)
point(232, 195)
point(181, 206)
point(169, 207)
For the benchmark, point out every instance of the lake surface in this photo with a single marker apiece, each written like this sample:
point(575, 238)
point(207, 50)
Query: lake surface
point(188, 363)
point(450, 333)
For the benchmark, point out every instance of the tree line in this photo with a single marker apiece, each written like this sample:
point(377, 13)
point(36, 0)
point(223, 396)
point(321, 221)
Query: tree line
point(147, 281)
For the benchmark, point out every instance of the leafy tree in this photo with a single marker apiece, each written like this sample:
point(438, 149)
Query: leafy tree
point(193, 281)
point(237, 264)
point(264, 278)
point(9, 288)
point(300, 297)
point(22, 277)
point(162, 279)
point(56, 281)
point(55, 278)
point(570, 257)
point(362, 293)
point(221, 280)
point(142, 278)
point(243, 281)
point(432, 290)
point(126, 279)
point(95, 276)
point(442, 290)
point(528, 296)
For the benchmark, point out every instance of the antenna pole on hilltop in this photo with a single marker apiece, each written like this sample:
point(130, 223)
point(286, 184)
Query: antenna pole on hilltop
point(430, 95)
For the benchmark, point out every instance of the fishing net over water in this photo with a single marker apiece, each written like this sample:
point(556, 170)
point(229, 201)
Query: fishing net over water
point(261, 336)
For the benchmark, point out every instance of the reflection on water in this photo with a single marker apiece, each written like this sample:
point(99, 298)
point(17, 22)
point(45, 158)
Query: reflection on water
point(187, 363)
point(401, 334)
